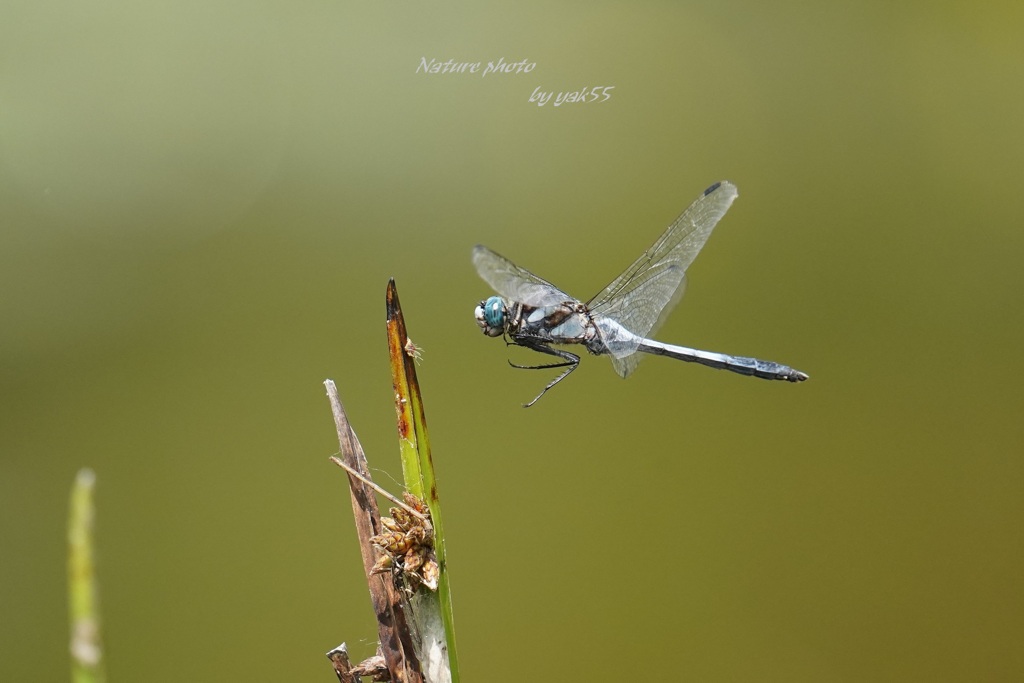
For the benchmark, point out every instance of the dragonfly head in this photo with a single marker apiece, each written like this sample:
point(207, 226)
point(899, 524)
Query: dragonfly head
point(490, 316)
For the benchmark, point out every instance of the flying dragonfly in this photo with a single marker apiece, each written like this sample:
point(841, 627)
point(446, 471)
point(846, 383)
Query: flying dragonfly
point(619, 321)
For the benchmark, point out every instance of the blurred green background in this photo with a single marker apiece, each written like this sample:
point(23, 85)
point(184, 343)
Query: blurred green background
point(201, 204)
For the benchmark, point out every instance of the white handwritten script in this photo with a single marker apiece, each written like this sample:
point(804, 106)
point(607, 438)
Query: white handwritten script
point(502, 66)
point(436, 66)
point(601, 93)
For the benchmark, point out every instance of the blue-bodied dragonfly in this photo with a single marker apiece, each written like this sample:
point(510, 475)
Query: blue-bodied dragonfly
point(618, 322)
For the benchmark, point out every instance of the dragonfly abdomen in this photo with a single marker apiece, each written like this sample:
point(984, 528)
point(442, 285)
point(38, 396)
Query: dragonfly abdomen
point(752, 367)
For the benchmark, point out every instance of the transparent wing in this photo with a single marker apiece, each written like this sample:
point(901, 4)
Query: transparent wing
point(515, 283)
point(623, 347)
point(642, 297)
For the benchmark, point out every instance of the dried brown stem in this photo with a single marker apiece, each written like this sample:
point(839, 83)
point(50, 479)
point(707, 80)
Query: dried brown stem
point(396, 641)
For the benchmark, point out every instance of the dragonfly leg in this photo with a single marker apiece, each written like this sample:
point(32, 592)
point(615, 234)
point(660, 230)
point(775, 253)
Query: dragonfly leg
point(570, 363)
point(543, 367)
point(536, 344)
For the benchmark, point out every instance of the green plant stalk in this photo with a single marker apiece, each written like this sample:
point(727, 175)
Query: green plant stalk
point(417, 464)
point(83, 594)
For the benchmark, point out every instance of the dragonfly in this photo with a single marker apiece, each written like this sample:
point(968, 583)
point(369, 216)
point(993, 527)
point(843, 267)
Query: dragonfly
point(619, 321)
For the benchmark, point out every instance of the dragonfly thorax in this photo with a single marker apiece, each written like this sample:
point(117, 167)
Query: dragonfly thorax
point(565, 323)
point(491, 316)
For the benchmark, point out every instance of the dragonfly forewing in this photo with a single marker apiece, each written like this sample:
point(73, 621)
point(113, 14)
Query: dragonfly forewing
point(645, 293)
point(514, 283)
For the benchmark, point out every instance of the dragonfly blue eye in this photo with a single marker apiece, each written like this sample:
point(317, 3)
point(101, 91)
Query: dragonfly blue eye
point(494, 312)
